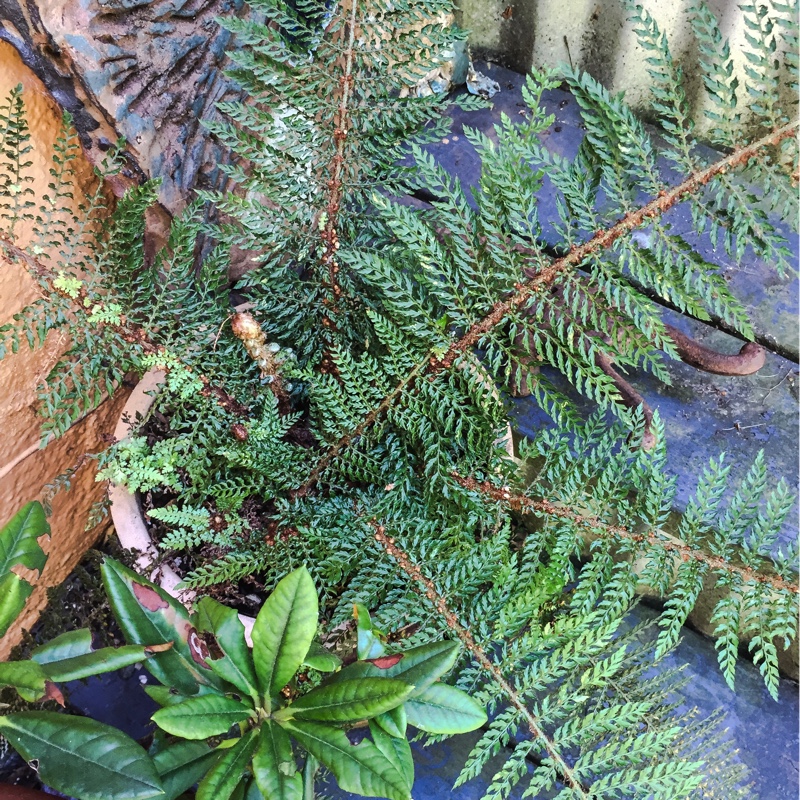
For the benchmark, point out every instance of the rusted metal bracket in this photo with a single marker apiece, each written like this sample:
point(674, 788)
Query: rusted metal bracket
point(748, 360)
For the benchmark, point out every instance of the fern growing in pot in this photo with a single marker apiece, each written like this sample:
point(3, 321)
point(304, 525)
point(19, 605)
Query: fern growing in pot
point(373, 447)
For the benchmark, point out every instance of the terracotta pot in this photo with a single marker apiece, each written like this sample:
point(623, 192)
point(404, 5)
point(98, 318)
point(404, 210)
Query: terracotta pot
point(126, 511)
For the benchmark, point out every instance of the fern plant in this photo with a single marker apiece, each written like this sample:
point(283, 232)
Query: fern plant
point(361, 401)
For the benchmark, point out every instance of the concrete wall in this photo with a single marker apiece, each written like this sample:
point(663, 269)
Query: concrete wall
point(24, 468)
point(594, 35)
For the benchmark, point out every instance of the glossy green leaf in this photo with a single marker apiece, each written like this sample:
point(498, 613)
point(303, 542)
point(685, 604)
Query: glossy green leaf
point(284, 630)
point(148, 615)
point(274, 766)
point(397, 750)
point(164, 696)
point(227, 774)
point(348, 701)
point(181, 765)
point(107, 659)
point(252, 792)
point(424, 665)
point(229, 656)
point(83, 758)
point(243, 790)
point(394, 721)
point(320, 659)
point(67, 645)
point(14, 593)
point(19, 546)
point(360, 768)
point(201, 717)
point(352, 672)
point(369, 643)
point(444, 709)
point(27, 677)
point(18, 539)
point(420, 666)
point(310, 769)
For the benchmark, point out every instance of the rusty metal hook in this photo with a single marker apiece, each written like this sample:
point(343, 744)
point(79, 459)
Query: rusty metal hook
point(749, 359)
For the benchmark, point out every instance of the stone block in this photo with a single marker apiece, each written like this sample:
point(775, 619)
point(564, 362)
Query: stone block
point(24, 468)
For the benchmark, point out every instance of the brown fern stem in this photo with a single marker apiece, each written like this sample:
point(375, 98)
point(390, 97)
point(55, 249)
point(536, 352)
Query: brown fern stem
point(543, 279)
point(479, 654)
point(132, 333)
point(519, 502)
point(341, 130)
point(360, 429)
point(16, 253)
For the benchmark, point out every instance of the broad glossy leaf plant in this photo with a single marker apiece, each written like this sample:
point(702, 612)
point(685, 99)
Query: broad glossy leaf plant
point(241, 723)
